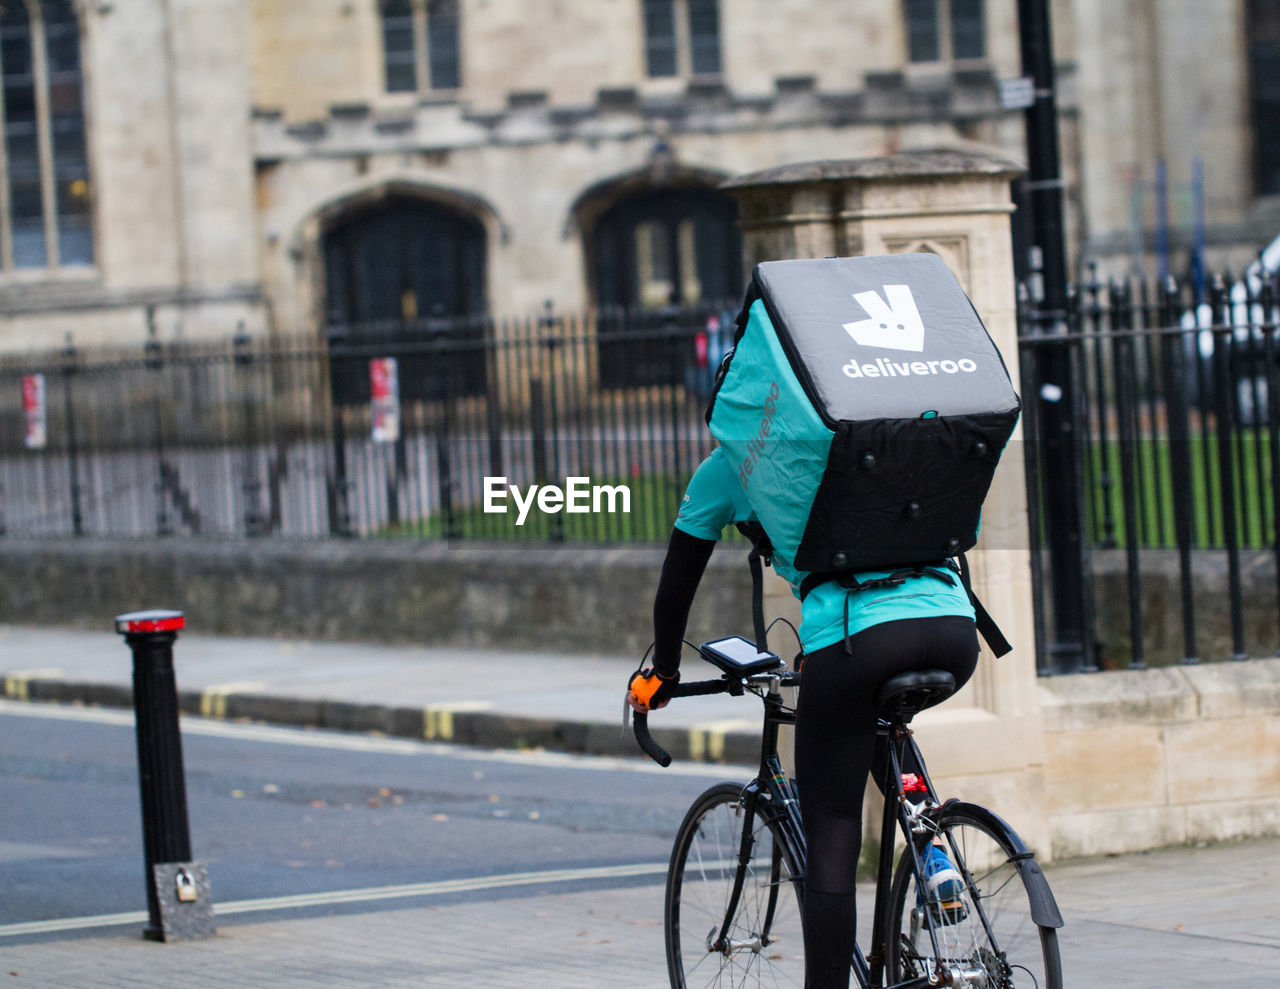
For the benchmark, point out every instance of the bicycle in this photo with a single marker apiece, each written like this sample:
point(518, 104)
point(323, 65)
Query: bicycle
point(734, 893)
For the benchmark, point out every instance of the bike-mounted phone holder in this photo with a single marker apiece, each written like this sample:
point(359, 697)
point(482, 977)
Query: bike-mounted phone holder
point(739, 657)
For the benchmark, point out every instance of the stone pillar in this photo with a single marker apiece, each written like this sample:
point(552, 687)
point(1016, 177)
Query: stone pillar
point(987, 744)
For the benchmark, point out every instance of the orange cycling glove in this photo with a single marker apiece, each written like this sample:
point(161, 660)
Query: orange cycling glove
point(650, 690)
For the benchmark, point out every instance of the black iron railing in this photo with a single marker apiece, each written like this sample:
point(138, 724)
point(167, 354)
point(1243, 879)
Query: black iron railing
point(375, 431)
point(1177, 420)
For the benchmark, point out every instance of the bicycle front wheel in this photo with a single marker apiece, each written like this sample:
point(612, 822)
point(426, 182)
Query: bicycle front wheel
point(986, 935)
point(760, 944)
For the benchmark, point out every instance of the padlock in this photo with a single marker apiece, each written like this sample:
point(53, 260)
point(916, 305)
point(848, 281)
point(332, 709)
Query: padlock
point(185, 886)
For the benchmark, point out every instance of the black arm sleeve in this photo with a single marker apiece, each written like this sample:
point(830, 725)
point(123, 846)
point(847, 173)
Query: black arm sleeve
point(682, 570)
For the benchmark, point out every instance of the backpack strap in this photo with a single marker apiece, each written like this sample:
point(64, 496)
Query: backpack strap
point(761, 553)
point(850, 581)
point(987, 626)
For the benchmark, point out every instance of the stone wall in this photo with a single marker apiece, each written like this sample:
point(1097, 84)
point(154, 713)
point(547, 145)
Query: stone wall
point(511, 595)
point(1155, 757)
point(538, 238)
point(1160, 601)
point(580, 601)
point(1177, 104)
point(309, 57)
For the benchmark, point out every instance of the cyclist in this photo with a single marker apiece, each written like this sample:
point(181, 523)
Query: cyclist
point(853, 640)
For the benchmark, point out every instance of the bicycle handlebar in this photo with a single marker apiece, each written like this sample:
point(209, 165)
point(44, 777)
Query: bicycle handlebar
point(640, 719)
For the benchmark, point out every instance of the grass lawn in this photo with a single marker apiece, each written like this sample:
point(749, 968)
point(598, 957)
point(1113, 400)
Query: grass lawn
point(653, 503)
point(1154, 485)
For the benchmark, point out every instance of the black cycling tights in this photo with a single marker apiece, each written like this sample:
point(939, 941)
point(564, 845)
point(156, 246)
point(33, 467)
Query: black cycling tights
point(835, 745)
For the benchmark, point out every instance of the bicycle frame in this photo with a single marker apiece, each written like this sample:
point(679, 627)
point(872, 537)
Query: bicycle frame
point(898, 812)
point(782, 808)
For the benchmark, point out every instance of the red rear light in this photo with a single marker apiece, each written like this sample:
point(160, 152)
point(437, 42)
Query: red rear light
point(911, 783)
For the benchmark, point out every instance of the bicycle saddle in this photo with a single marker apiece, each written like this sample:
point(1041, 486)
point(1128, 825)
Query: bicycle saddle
point(903, 697)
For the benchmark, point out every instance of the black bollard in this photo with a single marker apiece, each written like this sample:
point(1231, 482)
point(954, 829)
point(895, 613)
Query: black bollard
point(179, 902)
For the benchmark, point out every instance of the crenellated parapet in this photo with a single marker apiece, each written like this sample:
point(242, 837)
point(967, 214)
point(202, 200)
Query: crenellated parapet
point(888, 98)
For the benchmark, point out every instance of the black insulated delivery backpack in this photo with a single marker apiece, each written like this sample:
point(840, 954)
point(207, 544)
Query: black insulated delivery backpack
point(864, 408)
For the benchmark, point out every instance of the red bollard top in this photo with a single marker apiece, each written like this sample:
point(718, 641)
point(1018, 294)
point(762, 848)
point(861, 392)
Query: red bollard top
point(157, 620)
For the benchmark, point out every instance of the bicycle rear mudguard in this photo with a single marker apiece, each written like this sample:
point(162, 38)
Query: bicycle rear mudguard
point(1044, 908)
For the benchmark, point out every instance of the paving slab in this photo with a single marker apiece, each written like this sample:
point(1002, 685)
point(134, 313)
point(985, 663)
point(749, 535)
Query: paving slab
point(1182, 918)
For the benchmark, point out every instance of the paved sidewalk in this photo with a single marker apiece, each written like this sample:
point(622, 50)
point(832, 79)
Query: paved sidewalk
point(1173, 919)
point(472, 696)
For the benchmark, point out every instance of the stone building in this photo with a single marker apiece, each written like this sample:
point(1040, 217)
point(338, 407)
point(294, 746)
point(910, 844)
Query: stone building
point(186, 168)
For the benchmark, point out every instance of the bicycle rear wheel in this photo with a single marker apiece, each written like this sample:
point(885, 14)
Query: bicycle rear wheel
point(987, 934)
point(762, 944)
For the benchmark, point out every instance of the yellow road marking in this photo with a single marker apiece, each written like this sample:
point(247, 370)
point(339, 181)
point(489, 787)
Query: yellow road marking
point(706, 741)
point(213, 700)
point(437, 720)
point(17, 684)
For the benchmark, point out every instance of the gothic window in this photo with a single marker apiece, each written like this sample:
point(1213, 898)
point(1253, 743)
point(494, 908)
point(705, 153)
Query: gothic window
point(967, 29)
point(1264, 64)
point(682, 37)
point(944, 30)
point(420, 45)
point(398, 49)
point(45, 219)
point(922, 30)
point(442, 44)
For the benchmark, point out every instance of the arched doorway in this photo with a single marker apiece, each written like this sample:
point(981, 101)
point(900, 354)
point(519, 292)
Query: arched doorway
point(665, 265)
point(666, 247)
point(406, 276)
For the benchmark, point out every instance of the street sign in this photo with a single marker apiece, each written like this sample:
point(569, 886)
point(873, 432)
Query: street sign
point(34, 411)
point(384, 387)
point(1017, 94)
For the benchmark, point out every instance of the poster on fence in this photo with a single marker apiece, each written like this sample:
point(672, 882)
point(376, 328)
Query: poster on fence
point(34, 411)
point(384, 400)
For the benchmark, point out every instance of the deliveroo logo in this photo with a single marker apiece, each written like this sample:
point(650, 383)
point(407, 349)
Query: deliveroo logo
point(895, 324)
point(895, 321)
